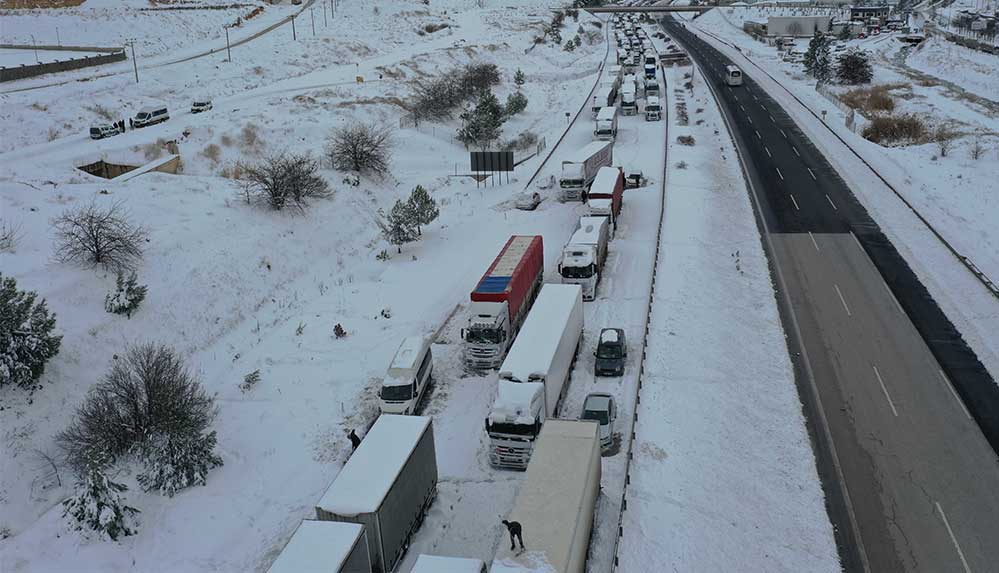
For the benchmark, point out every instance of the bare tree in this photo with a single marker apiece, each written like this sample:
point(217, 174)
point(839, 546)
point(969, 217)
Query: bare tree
point(977, 149)
point(944, 137)
point(282, 180)
point(10, 234)
point(360, 147)
point(99, 236)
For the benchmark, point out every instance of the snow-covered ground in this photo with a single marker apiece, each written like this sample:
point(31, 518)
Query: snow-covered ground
point(10, 58)
point(953, 192)
point(939, 58)
point(723, 476)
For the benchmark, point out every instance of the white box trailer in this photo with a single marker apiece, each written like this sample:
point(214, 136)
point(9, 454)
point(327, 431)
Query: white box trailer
point(440, 564)
point(387, 486)
point(324, 546)
point(604, 96)
point(557, 501)
point(534, 378)
point(579, 169)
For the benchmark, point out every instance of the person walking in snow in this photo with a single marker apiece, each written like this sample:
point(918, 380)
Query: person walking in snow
point(515, 532)
point(354, 440)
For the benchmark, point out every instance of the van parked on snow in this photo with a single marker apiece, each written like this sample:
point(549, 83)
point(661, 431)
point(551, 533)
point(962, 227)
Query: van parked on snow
point(149, 115)
point(408, 376)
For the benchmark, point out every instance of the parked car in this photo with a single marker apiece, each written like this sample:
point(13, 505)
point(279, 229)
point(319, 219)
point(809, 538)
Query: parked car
point(611, 353)
point(200, 105)
point(102, 130)
point(528, 201)
point(602, 409)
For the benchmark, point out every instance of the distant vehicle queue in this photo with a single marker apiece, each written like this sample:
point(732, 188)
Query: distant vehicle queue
point(145, 117)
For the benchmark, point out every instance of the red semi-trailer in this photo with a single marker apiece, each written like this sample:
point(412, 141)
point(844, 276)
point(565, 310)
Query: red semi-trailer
point(501, 299)
point(607, 194)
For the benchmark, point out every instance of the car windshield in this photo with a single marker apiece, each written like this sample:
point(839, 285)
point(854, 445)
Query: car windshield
point(598, 415)
point(608, 351)
point(577, 272)
point(484, 336)
point(397, 392)
point(142, 115)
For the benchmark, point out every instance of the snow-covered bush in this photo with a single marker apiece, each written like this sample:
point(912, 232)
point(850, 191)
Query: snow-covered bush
point(127, 296)
point(854, 67)
point(279, 181)
point(98, 236)
point(147, 396)
point(174, 462)
point(97, 504)
point(360, 147)
point(27, 340)
point(516, 103)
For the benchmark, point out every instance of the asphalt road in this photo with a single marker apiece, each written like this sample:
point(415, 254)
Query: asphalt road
point(911, 479)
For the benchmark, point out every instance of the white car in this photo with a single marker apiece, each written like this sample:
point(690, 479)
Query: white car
point(601, 408)
point(200, 105)
point(528, 201)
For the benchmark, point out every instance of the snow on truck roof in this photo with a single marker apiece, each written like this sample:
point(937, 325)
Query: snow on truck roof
point(406, 360)
point(589, 231)
point(514, 400)
point(436, 564)
point(317, 545)
point(539, 338)
point(497, 279)
point(606, 178)
point(371, 470)
point(585, 153)
point(606, 113)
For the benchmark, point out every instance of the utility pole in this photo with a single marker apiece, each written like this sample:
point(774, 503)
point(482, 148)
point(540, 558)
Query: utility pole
point(227, 50)
point(135, 65)
point(293, 35)
point(313, 14)
point(325, 23)
point(58, 41)
point(35, 44)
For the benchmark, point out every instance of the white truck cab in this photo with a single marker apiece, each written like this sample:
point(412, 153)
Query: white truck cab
point(653, 110)
point(584, 255)
point(408, 376)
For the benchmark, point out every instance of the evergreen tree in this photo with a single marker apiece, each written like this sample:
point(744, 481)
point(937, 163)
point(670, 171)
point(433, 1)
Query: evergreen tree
point(423, 208)
point(127, 297)
point(97, 504)
point(515, 103)
point(844, 34)
point(816, 45)
point(822, 67)
point(854, 68)
point(519, 79)
point(483, 123)
point(26, 338)
point(400, 227)
point(175, 462)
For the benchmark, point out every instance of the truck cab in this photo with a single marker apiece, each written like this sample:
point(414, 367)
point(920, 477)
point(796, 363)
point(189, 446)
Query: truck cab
point(629, 102)
point(583, 256)
point(487, 333)
point(606, 124)
point(653, 110)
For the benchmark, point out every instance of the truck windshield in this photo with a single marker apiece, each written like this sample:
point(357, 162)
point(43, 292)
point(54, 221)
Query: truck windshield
point(484, 336)
point(397, 392)
point(577, 272)
point(528, 430)
point(608, 351)
point(571, 183)
point(598, 415)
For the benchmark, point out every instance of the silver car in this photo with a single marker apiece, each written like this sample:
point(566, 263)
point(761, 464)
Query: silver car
point(602, 409)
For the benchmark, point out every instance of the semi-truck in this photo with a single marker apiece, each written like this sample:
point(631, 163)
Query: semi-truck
point(535, 375)
point(653, 109)
point(579, 169)
point(606, 124)
point(629, 99)
point(557, 501)
point(387, 486)
point(607, 194)
point(324, 546)
point(501, 299)
point(583, 256)
point(603, 97)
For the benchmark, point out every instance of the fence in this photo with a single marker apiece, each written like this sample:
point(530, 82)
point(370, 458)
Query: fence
point(855, 121)
point(32, 70)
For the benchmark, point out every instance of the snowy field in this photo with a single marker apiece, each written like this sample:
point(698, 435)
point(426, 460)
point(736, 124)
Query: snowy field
point(236, 289)
point(954, 192)
point(15, 58)
point(723, 476)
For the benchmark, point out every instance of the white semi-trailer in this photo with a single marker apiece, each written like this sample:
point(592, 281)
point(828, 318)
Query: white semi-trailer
point(583, 256)
point(387, 486)
point(325, 546)
point(579, 169)
point(534, 378)
point(557, 501)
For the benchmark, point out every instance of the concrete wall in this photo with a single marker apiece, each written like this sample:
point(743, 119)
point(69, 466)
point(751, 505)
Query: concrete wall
point(806, 25)
point(29, 71)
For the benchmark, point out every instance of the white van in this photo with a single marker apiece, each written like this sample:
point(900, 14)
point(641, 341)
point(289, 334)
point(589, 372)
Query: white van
point(733, 76)
point(408, 376)
point(150, 115)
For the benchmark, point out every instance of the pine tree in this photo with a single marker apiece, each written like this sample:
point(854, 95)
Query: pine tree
point(854, 68)
point(423, 208)
point(127, 297)
point(399, 227)
point(519, 79)
point(815, 48)
point(483, 123)
point(97, 504)
point(515, 103)
point(822, 67)
point(26, 338)
point(174, 462)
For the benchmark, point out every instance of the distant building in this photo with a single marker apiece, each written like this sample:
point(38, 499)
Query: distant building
point(854, 28)
point(867, 13)
point(798, 26)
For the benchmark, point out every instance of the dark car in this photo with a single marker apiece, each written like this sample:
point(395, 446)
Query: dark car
point(611, 353)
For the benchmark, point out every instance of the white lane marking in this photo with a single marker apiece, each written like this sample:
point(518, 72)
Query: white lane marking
point(767, 149)
point(885, 390)
point(952, 538)
point(772, 120)
point(891, 295)
point(755, 98)
point(795, 149)
point(842, 300)
point(856, 240)
point(954, 392)
point(763, 107)
point(735, 96)
point(784, 134)
point(779, 174)
point(750, 119)
point(796, 208)
point(831, 203)
point(758, 136)
point(742, 108)
point(812, 237)
point(812, 174)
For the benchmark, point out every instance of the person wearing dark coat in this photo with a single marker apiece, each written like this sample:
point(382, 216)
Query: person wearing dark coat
point(354, 440)
point(515, 532)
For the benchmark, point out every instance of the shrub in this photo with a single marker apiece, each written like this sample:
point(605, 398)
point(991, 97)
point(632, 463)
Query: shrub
point(97, 504)
point(431, 28)
point(525, 140)
point(854, 67)
point(10, 234)
point(944, 137)
point(977, 149)
point(515, 103)
point(893, 129)
point(127, 296)
point(212, 151)
point(282, 180)
point(98, 236)
point(248, 136)
point(360, 147)
point(478, 77)
point(175, 462)
point(871, 100)
point(27, 340)
point(687, 140)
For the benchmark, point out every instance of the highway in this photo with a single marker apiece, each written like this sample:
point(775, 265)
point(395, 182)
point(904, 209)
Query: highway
point(911, 480)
